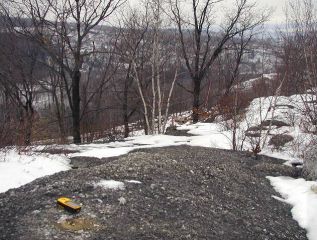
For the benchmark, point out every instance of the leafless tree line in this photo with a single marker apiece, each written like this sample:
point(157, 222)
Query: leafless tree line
point(156, 58)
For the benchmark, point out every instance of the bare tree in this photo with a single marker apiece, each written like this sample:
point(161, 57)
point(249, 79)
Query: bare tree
point(132, 49)
point(62, 29)
point(201, 44)
point(159, 59)
point(233, 99)
point(149, 55)
point(19, 74)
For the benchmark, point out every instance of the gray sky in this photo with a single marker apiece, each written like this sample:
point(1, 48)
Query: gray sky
point(277, 7)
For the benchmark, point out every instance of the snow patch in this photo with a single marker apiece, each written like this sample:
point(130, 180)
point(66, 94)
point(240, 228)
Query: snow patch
point(17, 169)
point(111, 184)
point(299, 194)
point(133, 181)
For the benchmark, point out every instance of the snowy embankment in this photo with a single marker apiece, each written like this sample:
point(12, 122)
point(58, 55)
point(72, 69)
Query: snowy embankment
point(260, 120)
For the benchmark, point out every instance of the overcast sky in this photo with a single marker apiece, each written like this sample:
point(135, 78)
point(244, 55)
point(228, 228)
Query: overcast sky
point(277, 7)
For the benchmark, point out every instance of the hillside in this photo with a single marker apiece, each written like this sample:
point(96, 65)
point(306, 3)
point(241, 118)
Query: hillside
point(281, 131)
point(163, 193)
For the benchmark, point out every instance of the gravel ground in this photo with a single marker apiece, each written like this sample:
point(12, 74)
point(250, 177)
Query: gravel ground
point(186, 193)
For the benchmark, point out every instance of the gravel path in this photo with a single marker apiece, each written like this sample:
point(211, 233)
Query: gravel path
point(186, 193)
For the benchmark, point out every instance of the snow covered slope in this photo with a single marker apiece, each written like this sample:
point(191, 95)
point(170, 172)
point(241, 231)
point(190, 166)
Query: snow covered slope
point(18, 168)
point(279, 124)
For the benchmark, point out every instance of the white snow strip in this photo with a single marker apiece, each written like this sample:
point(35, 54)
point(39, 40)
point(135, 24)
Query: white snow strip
point(111, 184)
point(133, 181)
point(208, 138)
point(279, 199)
point(101, 151)
point(299, 194)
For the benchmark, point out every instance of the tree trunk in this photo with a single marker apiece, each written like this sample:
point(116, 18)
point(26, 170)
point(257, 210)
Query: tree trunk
point(235, 122)
point(145, 126)
point(62, 115)
point(76, 107)
point(146, 116)
point(169, 100)
point(126, 126)
point(28, 134)
point(29, 118)
point(196, 103)
point(59, 115)
point(152, 129)
point(28, 131)
point(125, 112)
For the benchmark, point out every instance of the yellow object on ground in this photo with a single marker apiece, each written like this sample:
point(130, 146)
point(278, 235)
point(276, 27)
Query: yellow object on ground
point(68, 204)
